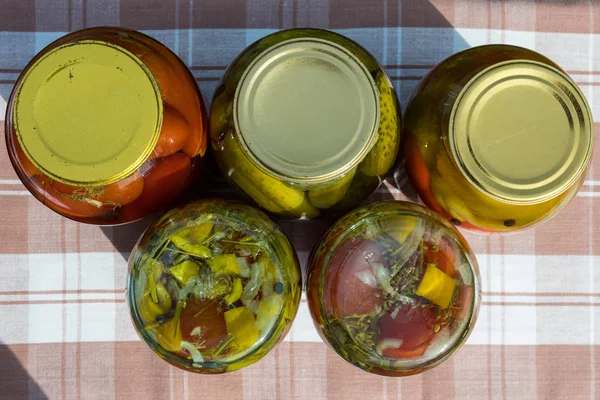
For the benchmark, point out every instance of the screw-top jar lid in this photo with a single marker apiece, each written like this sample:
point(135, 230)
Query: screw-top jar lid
point(88, 113)
point(521, 131)
point(306, 110)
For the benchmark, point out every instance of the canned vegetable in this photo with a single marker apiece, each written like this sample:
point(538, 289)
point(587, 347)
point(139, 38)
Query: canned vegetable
point(305, 121)
point(106, 126)
point(213, 286)
point(393, 288)
point(498, 138)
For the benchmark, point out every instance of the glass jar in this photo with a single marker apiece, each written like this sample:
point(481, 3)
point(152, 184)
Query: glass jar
point(393, 288)
point(304, 122)
point(213, 286)
point(498, 138)
point(106, 126)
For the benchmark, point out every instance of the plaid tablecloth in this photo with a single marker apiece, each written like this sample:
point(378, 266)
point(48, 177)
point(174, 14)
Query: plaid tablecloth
point(64, 326)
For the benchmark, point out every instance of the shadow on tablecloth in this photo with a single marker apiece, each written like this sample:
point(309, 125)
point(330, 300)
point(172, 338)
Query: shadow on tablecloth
point(15, 382)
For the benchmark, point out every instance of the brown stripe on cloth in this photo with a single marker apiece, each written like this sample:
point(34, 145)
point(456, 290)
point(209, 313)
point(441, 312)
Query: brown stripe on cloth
point(342, 382)
point(430, 14)
point(51, 292)
point(63, 301)
point(65, 356)
point(595, 175)
point(147, 14)
point(314, 13)
point(6, 168)
point(44, 223)
point(363, 14)
point(550, 238)
point(259, 379)
point(542, 294)
point(471, 14)
point(220, 14)
point(102, 13)
point(538, 304)
point(563, 372)
point(18, 15)
point(52, 16)
point(140, 374)
point(519, 15)
point(267, 14)
point(568, 17)
point(309, 373)
point(552, 16)
point(14, 213)
point(219, 387)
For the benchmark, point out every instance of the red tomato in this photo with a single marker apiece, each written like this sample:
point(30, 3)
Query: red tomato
point(163, 182)
point(443, 258)
point(209, 318)
point(196, 144)
point(414, 326)
point(162, 71)
point(401, 353)
point(123, 192)
point(419, 176)
point(174, 134)
point(349, 294)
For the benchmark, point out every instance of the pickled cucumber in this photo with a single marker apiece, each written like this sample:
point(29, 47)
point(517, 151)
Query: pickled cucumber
point(382, 156)
point(329, 195)
point(360, 188)
point(267, 191)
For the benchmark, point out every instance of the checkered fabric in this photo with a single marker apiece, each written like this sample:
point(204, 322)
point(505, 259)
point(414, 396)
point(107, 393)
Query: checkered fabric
point(65, 331)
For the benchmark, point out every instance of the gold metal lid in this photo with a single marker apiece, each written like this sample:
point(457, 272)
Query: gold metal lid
point(306, 110)
point(521, 131)
point(88, 113)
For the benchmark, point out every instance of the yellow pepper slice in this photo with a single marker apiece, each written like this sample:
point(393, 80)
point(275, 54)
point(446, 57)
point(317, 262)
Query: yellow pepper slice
point(224, 264)
point(169, 335)
point(236, 292)
point(399, 227)
point(149, 309)
point(436, 287)
point(184, 271)
point(198, 233)
point(269, 265)
point(268, 311)
point(183, 242)
point(240, 322)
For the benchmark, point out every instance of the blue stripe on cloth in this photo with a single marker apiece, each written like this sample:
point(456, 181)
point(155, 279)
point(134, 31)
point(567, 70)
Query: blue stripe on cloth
point(209, 51)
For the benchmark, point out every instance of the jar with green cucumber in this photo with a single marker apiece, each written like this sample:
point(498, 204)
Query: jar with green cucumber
point(305, 122)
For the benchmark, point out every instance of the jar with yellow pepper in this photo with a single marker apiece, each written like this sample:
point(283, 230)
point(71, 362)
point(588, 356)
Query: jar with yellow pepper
point(213, 286)
point(498, 138)
point(393, 288)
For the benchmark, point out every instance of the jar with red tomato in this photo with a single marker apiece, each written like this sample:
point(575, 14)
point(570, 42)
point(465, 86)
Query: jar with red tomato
point(106, 126)
point(393, 288)
point(213, 286)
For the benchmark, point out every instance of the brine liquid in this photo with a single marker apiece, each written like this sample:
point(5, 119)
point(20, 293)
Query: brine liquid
point(396, 291)
point(212, 291)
